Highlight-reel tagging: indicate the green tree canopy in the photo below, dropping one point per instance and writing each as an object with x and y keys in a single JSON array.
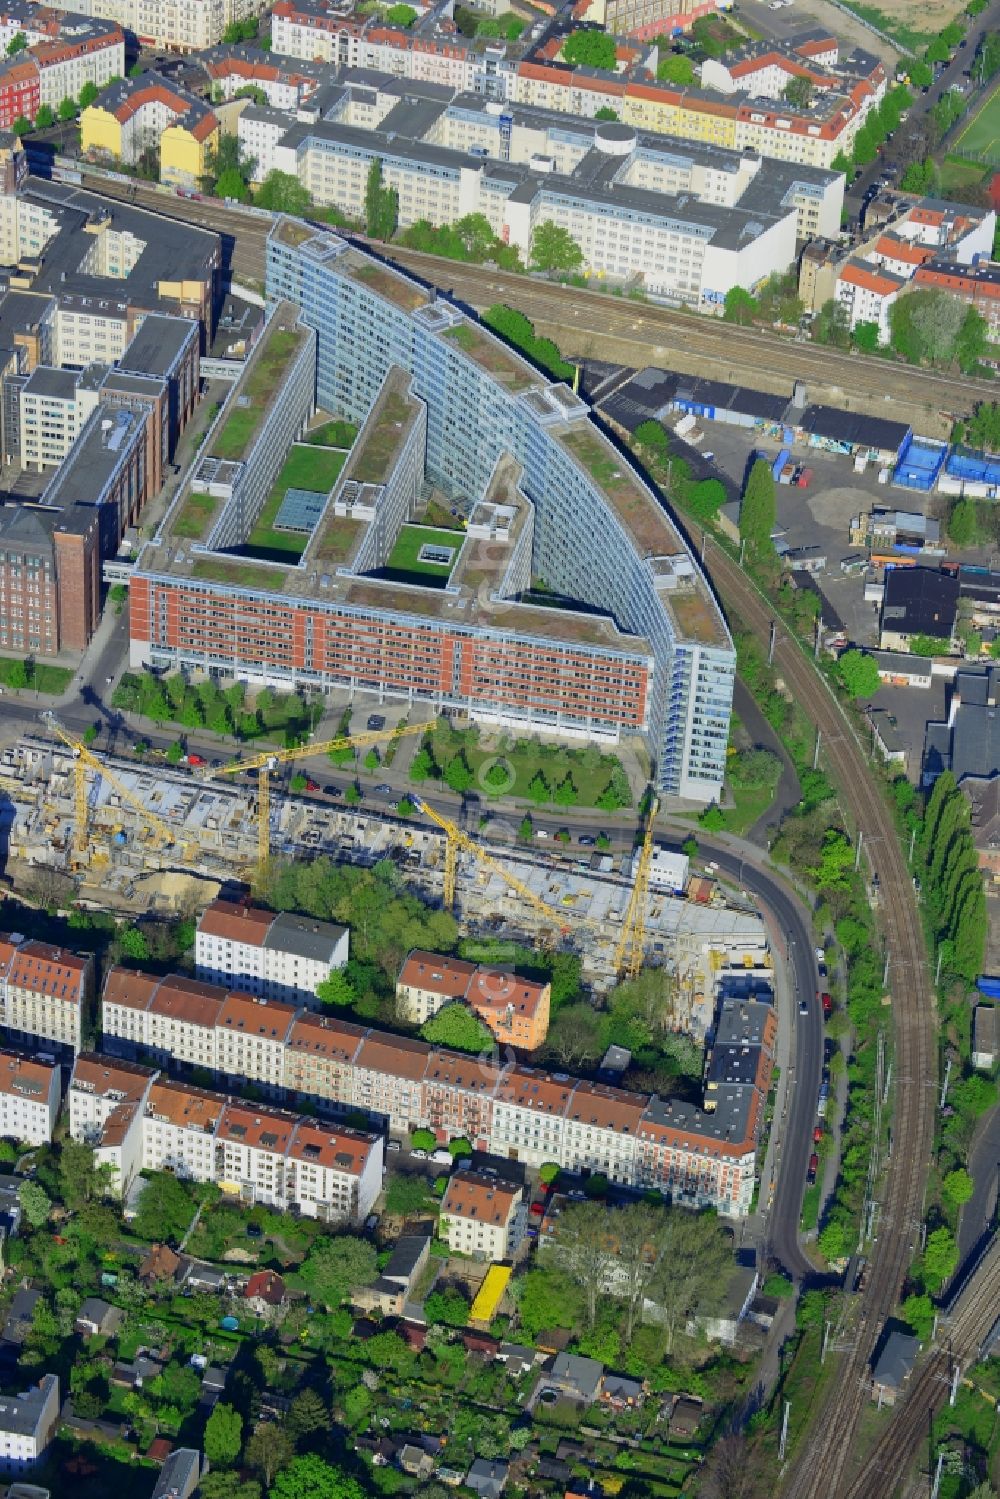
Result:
[
  {"x": 281, "y": 192},
  {"x": 457, "y": 1027},
  {"x": 590, "y": 49},
  {"x": 336, "y": 991},
  {"x": 401, "y": 15},
  {"x": 310, "y": 1477},
  {"x": 675, "y": 68},
  {"x": 958, "y": 1186},
  {"x": 35, "y": 1203},
  {"x": 757, "y": 510},
  {"x": 859, "y": 673},
  {"x": 963, "y": 523},
  {"x": 939, "y": 1259},
  {"x": 984, "y": 426},
  {"x": 554, "y": 248},
  {"x": 798, "y": 91},
  {"x": 223, "y": 1436},
  {"x": 165, "y": 1208},
  {"x": 336, "y": 1266},
  {"x": 739, "y": 306},
  {"x": 381, "y": 204}
]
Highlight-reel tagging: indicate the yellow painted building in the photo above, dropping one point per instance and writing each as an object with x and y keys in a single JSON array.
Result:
[{"x": 139, "y": 113}]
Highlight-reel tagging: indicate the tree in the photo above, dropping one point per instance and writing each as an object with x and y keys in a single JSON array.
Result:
[
  {"x": 575, "y": 1036},
  {"x": 754, "y": 768},
  {"x": 458, "y": 1028},
  {"x": 223, "y": 1436},
  {"x": 921, "y": 74},
  {"x": 939, "y": 1260},
  {"x": 651, "y": 435},
  {"x": 858, "y": 673},
  {"x": 958, "y": 1187},
  {"x": 336, "y": 1266},
  {"x": 17, "y": 43},
  {"x": 401, "y": 15},
  {"x": 307, "y": 1414},
  {"x": 132, "y": 943},
  {"x": 381, "y": 204},
  {"x": 459, "y": 774},
  {"x": 45, "y": 118},
  {"x": 590, "y": 49},
  {"x": 165, "y": 1209},
  {"x": 423, "y": 1139},
  {"x": 757, "y": 510},
  {"x": 739, "y": 306},
  {"x": 282, "y": 192},
  {"x": 554, "y": 248},
  {"x": 336, "y": 990},
  {"x": 298, "y": 782},
  {"x": 231, "y": 184},
  {"x": 584, "y": 1250},
  {"x": 566, "y": 794},
  {"x": 963, "y": 525},
  {"x": 693, "y": 1268},
  {"x": 606, "y": 113},
  {"x": 984, "y": 427},
  {"x": 21, "y": 126},
  {"x": 423, "y": 765},
  {"x": 867, "y": 337},
  {"x": 175, "y": 752},
  {"x": 798, "y": 91},
  {"x": 539, "y": 790},
  {"x": 449, "y": 1307},
  {"x": 836, "y": 861},
  {"x": 35, "y": 1203},
  {"x": 309, "y": 1477},
  {"x": 937, "y": 51},
  {"x": 675, "y": 68},
  {"x": 831, "y": 325},
  {"x": 268, "y": 1451},
  {"x": 547, "y": 1298},
  {"x": 918, "y": 1312},
  {"x": 67, "y": 110}
]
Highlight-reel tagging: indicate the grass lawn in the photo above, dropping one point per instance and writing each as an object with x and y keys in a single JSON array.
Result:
[
  {"x": 751, "y": 803},
  {"x": 232, "y": 440},
  {"x": 439, "y": 515},
  {"x": 333, "y": 434},
  {"x": 304, "y": 468},
  {"x": 956, "y": 175},
  {"x": 196, "y": 516},
  {"x": 525, "y": 760},
  {"x": 982, "y": 134},
  {"x": 373, "y": 461},
  {"x": 405, "y": 561},
  {"x": 42, "y": 678},
  {"x": 242, "y": 574},
  {"x": 270, "y": 364}
]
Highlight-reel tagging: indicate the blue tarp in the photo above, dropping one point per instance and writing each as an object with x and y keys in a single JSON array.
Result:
[
  {"x": 989, "y": 987},
  {"x": 980, "y": 468}
]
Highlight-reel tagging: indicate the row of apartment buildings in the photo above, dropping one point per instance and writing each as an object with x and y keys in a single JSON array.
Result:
[
  {"x": 911, "y": 244},
  {"x": 62, "y": 51},
  {"x": 438, "y": 398},
  {"x": 175, "y": 25},
  {"x": 687, "y": 221},
  {"x": 701, "y": 1156},
  {"x": 138, "y": 1120},
  {"x": 138, "y": 115},
  {"x": 739, "y": 107}
]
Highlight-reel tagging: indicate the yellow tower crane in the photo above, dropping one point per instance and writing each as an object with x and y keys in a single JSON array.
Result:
[
  {"x": 83, "y": 761},
  {"x": 628, "y": 955},
  {"x": 265, "y": 763}
]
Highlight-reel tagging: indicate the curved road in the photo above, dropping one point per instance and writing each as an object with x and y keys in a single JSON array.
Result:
[
  {"x": 791, "y": 932},
  {"x": 819, "y": 1465},
  {"x": 750, "y": 355}
]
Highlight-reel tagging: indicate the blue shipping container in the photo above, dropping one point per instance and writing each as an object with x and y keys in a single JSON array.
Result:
[{"x": 780, "y": 462}]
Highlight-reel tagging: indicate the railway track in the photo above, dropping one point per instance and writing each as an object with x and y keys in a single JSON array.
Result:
[
  {"x": 819, "y": 1468},
  {"x": 976, "y": 1309}
]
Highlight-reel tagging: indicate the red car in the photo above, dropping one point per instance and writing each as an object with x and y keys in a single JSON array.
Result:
[
  {"x": 817, "y": 1134},
  {"x": 827, "y": 1004},
  {"x": 813, "y": 1168},
  {"x": 311, "y": 785},
  {"x": 537, "y": 1209},
  {"x": 195, "y": 760}
]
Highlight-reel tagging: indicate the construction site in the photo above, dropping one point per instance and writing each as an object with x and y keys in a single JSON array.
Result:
[{"x": 139, "y": 837}]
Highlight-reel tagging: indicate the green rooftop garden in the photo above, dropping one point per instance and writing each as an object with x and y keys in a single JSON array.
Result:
[
  {"x": 196, "y": 515},
  {"x": 304, "y": 468},
  {"x": 268, "y": 367},
  {"x": 240, "y": 574},
  {"x": 374, "y": 459},
  {"x": 406, "y": 563},
  {"x": 492, "y": 355}
]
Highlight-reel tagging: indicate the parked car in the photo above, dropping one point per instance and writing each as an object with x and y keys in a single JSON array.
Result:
[
  {"x": 537, "y": 1209},
  {"x": 827, "y": 1004},
  {"x": 392, "y": 1146},
  {"x": 803, "y": 1007},
  {"x": 383, "y": 789},
  {"x": 419, "y": 1155},
  {"x": 332, "y": 791},
  {"x": 817, "y": 1134},
  {"x": 813, "y": 1168},
  {"x": 376, "y": 722},
  {"x": 441, "y": 1157},
  {"x": 586, "y": 840}
]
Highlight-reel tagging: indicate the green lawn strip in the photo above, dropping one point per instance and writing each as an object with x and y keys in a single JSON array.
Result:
[
  {"x": 41, "y": 677},
  {"x": 230, "y": 442},
  {"x": 242, "y": 574},
  {"x": 405, "y": 555},
  {"x": 810, "y": 1206},
  {"x": 196, "y": 516},
  {"x": 750, "y": 803},
  {"x": 337, "y": 433},
  {"x": 307, "y": 468},
  {"x": 957, "y": 174}
]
